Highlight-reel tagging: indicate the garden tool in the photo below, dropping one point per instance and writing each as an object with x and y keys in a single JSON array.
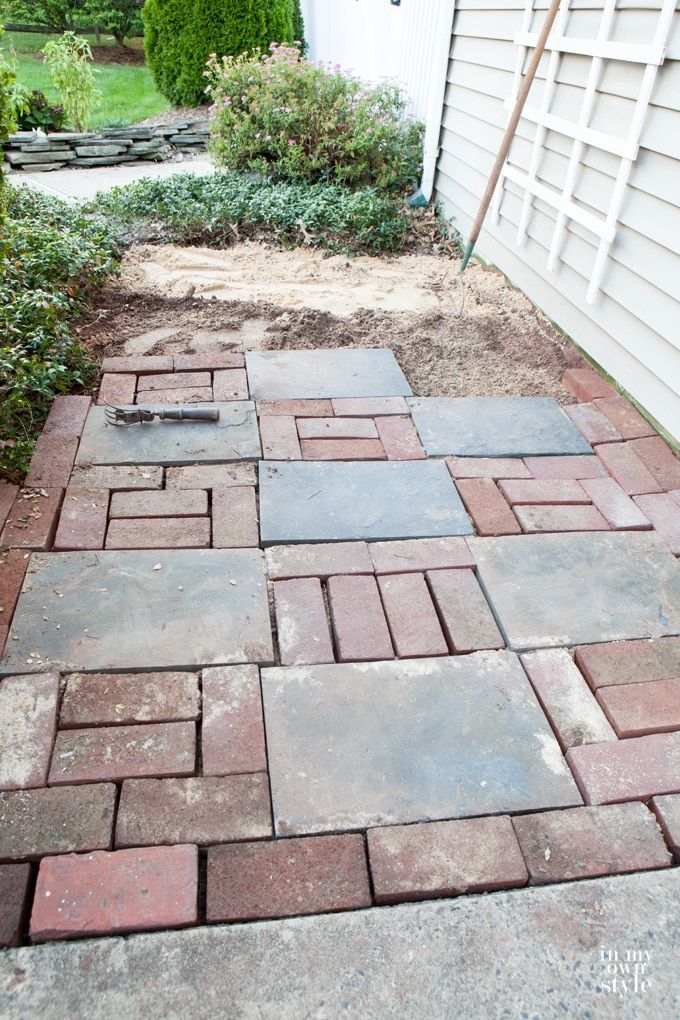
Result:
[{"x": 138, "y": 415}]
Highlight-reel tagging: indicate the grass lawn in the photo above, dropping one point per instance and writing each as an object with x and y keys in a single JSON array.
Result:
[{"x": 129, "y": 93}]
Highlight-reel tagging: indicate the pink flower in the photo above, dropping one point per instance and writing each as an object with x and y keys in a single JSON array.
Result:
[{"x": 291, "y": 141}]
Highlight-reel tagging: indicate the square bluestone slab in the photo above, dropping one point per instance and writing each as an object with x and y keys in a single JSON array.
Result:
[
  {"x": 495, "y": 427},
  {"x": 580, "y": 588},
  {"x": 337, "y": 502},
  {"x": 142, "y": 610},
  {"x": 308, "y": 375},
  {"x": 363, "y": 744},
  {"x": 233, "y": 437}
]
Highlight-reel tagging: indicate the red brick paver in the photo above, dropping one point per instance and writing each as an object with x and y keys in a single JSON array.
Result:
[
  {"x": 82, "y": 523},
  {"x": 627, "y": 468},
  {"x": 8, "y": 493},
  {"x": 160, "y": 503},
  {"x": 107, "y": 893},
  {"x": 295, "y": 408},
  {"x": 624, "y": 417},
  {"x": 126, "y": 479},
  {"x": 234, "y": 517},
  {"x": 464, "y": 612},
  {"x": 15, "y": 888},
  {"x": 105, "y": 699},
  {"x": 593, "y": 425},
  {"x": 337, "y": 428},
  {"x": 52, "y": 462},
  {"x": 487, "y": 467},
  {"x": 616, "y": 507},
  {"x": 13, "y": 564},
  {"x": 399, "y": 438},
  {"x": 123, "y": 752},
  {"x": 313, "y": 875},
  {"x": 232, "y": 737},
  {"x": 667, "y": 811},
  {"x": 301, "y": 623},
  {"x": 32, "y": 521},
  {"x": 411, "y": 616},
  {"x": 660, "y": 460},
  {"x": 359, "y": 624},
  {"x": 554, "y": 491},
  {"x": 566, "y": 699},
  {"x": 230, "y": 384},
  {"x": 176, "y": 381},
  {"x": 279, "y": 437},
  {"x": 176, "y": 395},
  {"x": 577, "y": 466},
  {"x": 117, "y": 389},
  {"x": 56, "y": 820},
  {"x": 28, "y": 715},
  {"x": 67, "y": 416},
  {"x": 201, "y": 810},
  {"x": 139, "y": 364},
  {"x": 209, "y": 476},
  {"x": 586, "y": 383},
  {"x": 637, "y": 709},
  {"x": 536, "y": 519},
  {"x": 629, "y": 662},
  {"x": 420, "y": 554},
  {"x": 487, "y": 507},
  {"x": 342, "y": 449},
  {"x": 369, "y": 406},
  {"x": 414, "y": 862},
  {"x": 664, "y": 513},
  {"x": 159, "y": 533},
  {"x": 322, "y": 560},
  {"x": 208, "y": 362},
  {"x": 588, "y": 842},
  {"x": 634, "y": 769}
]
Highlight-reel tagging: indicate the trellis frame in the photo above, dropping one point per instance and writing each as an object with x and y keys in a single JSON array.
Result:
[{"x": 651, "y": 56}]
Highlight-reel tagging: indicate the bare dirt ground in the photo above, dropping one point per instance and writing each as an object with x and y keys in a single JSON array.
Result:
[{"x": 481, "y": 339}]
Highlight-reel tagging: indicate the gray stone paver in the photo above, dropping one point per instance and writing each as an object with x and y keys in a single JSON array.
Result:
[
  {"x": 356, "y": 745},
  {"x": 535, "y": 952},
  {"x": 569, "y": 589},
  {"x": 292, "y": 375},
  {"x": 335, "y": 502},
  {"x": 495, "y": 426}
]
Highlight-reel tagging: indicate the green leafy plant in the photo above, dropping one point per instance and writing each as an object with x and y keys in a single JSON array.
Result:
[
  {"x": 283, "y": 116},
  {"x": 53, "y": 254},
  {"x": 68, "y": 59},
  {"x": 41, "y": 113}
]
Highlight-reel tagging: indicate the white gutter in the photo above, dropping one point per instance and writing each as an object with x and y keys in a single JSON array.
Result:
[{"x": 433, "y": 121}]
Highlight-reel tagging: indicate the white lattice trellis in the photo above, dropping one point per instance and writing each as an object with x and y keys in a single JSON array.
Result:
[{"x": 601, "y": 48}]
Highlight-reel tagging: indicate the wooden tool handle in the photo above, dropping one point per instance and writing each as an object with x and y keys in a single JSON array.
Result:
[{"x": 192, "y": 413}]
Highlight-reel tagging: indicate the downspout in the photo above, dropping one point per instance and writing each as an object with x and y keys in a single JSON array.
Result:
[{"x": 433, "y": 120}]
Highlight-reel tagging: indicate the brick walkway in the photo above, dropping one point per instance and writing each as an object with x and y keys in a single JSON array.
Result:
[{"x": 346, "y": 648}]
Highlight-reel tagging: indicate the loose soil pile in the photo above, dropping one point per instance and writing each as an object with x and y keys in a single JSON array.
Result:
[{"x": 476, "y": 337}]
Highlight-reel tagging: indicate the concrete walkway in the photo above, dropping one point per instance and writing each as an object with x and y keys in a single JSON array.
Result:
[{"x": 83, "y": 185}]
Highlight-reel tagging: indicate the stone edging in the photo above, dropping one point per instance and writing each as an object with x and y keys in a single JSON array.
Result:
[{"x": 24, "y": 151}]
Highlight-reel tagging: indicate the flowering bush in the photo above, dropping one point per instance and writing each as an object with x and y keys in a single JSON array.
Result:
[{"x": 287, "y": 118}]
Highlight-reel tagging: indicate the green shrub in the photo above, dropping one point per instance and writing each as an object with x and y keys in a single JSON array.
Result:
[
  {"x": 283, "y": 116},
  {"x": 41, "y": 113},
  {"x": 68, "y": 59},
  {"x": 220, "y": 208},
  {"x": 121, "y": 18},
  {"x": 180, "y": 35},
  {"x": 53, "y": 253}
]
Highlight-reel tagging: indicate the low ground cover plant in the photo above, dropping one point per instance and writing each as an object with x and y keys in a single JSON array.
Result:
[{"x": 278, "y": 114}]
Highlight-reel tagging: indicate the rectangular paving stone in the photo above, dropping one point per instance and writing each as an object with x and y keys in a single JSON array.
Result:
[
  {"x": 255, "y": 881},
  {"x": 358, "y": 745},
  {"x": 335, "y": 502},
  {"x": 279, "y": 436},
  {"x": 629, "y": 662},
  {"x": 667, "y": 811},
  {"x": 637, "y": 709},
  {"x": 616, "y": 507},
  {"x": 101, "y": 699},
  {"x": 664, "y": 513},
  {"x": 586, "y": 384},
  {"x": 13, "y": 563},
  {"x": 230, "y": 384},
  {"x": 319, "y": 560},
  {"x": 208, "y": 362},
  {"x": 301, "y": 623},
  {"x": 359, "y": 625},
  {"x": 139, "y": 365},
  {"x": 124, "y": 479},
  {"x": 232, "y": 733},
  {"x": 565, "y": 467},
  {"x": 210, "y": 476},
  {"x": 159, "y": 533},
  {"x": 633, "y": 769},
  {"x": 419, "y": 554},
  {"x": 141, "y": 609},
  {"x": 176, "y": 380},
  {"x": 234, "y": 517},
  {"x": 369, "y": 406},
  {"x": 15, "y": 892},
  {"x": 575, "y": 715},
  {"x": 658, "y": 458},
  {"x": 399, "y": 437},
  {"x": 179, "y": 395},
  {"x": 593, "y": 425},
  {"x": 52, "y": 462},
  {"x": 543, "y": 490},
  {"x": 487, "y": 467},
  {"x": 296, "y": 408},
  {"x": 56, "y": 820},
  {"x": 624, "y": 417},
  {"x": 117, "y": 389},
  {"x": 123, "y": 752},
  {"x": 560, "y": 518},
  {"x": 110, "y": 893},
  {"x": 8, "y": 493},
  {"x": 627, "y": 469},
  {"x": 419, "y": 862},
  {"x": 202, "y": 810},
  {"x": 296, "y": 375},
  {"x": 554, "y": 590},
  {"x": 67, "y": 416},
  {"x": 487, "y": 507},
  {"x": 337, "y": 428},
  {"x": 411, "y": 616},
  {"x": 589, "y": 842},
  {"x": 83, "y": 519},
  {"x": 32, "y": 521},
  {"x": 467, "y": 620},
  {"x": 494, "y": 426},
  {"x": 233, "y": 437},
  {"x": 342, "y": 449},
  {"x": 28, "y": 718},
  {"x": 163, "y": 503}
]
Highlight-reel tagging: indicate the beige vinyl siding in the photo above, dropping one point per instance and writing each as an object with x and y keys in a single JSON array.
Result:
[{"x": 633, "y": 329}]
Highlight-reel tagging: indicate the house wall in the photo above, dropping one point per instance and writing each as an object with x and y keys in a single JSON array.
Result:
[{"x": 633, "y": 328}]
